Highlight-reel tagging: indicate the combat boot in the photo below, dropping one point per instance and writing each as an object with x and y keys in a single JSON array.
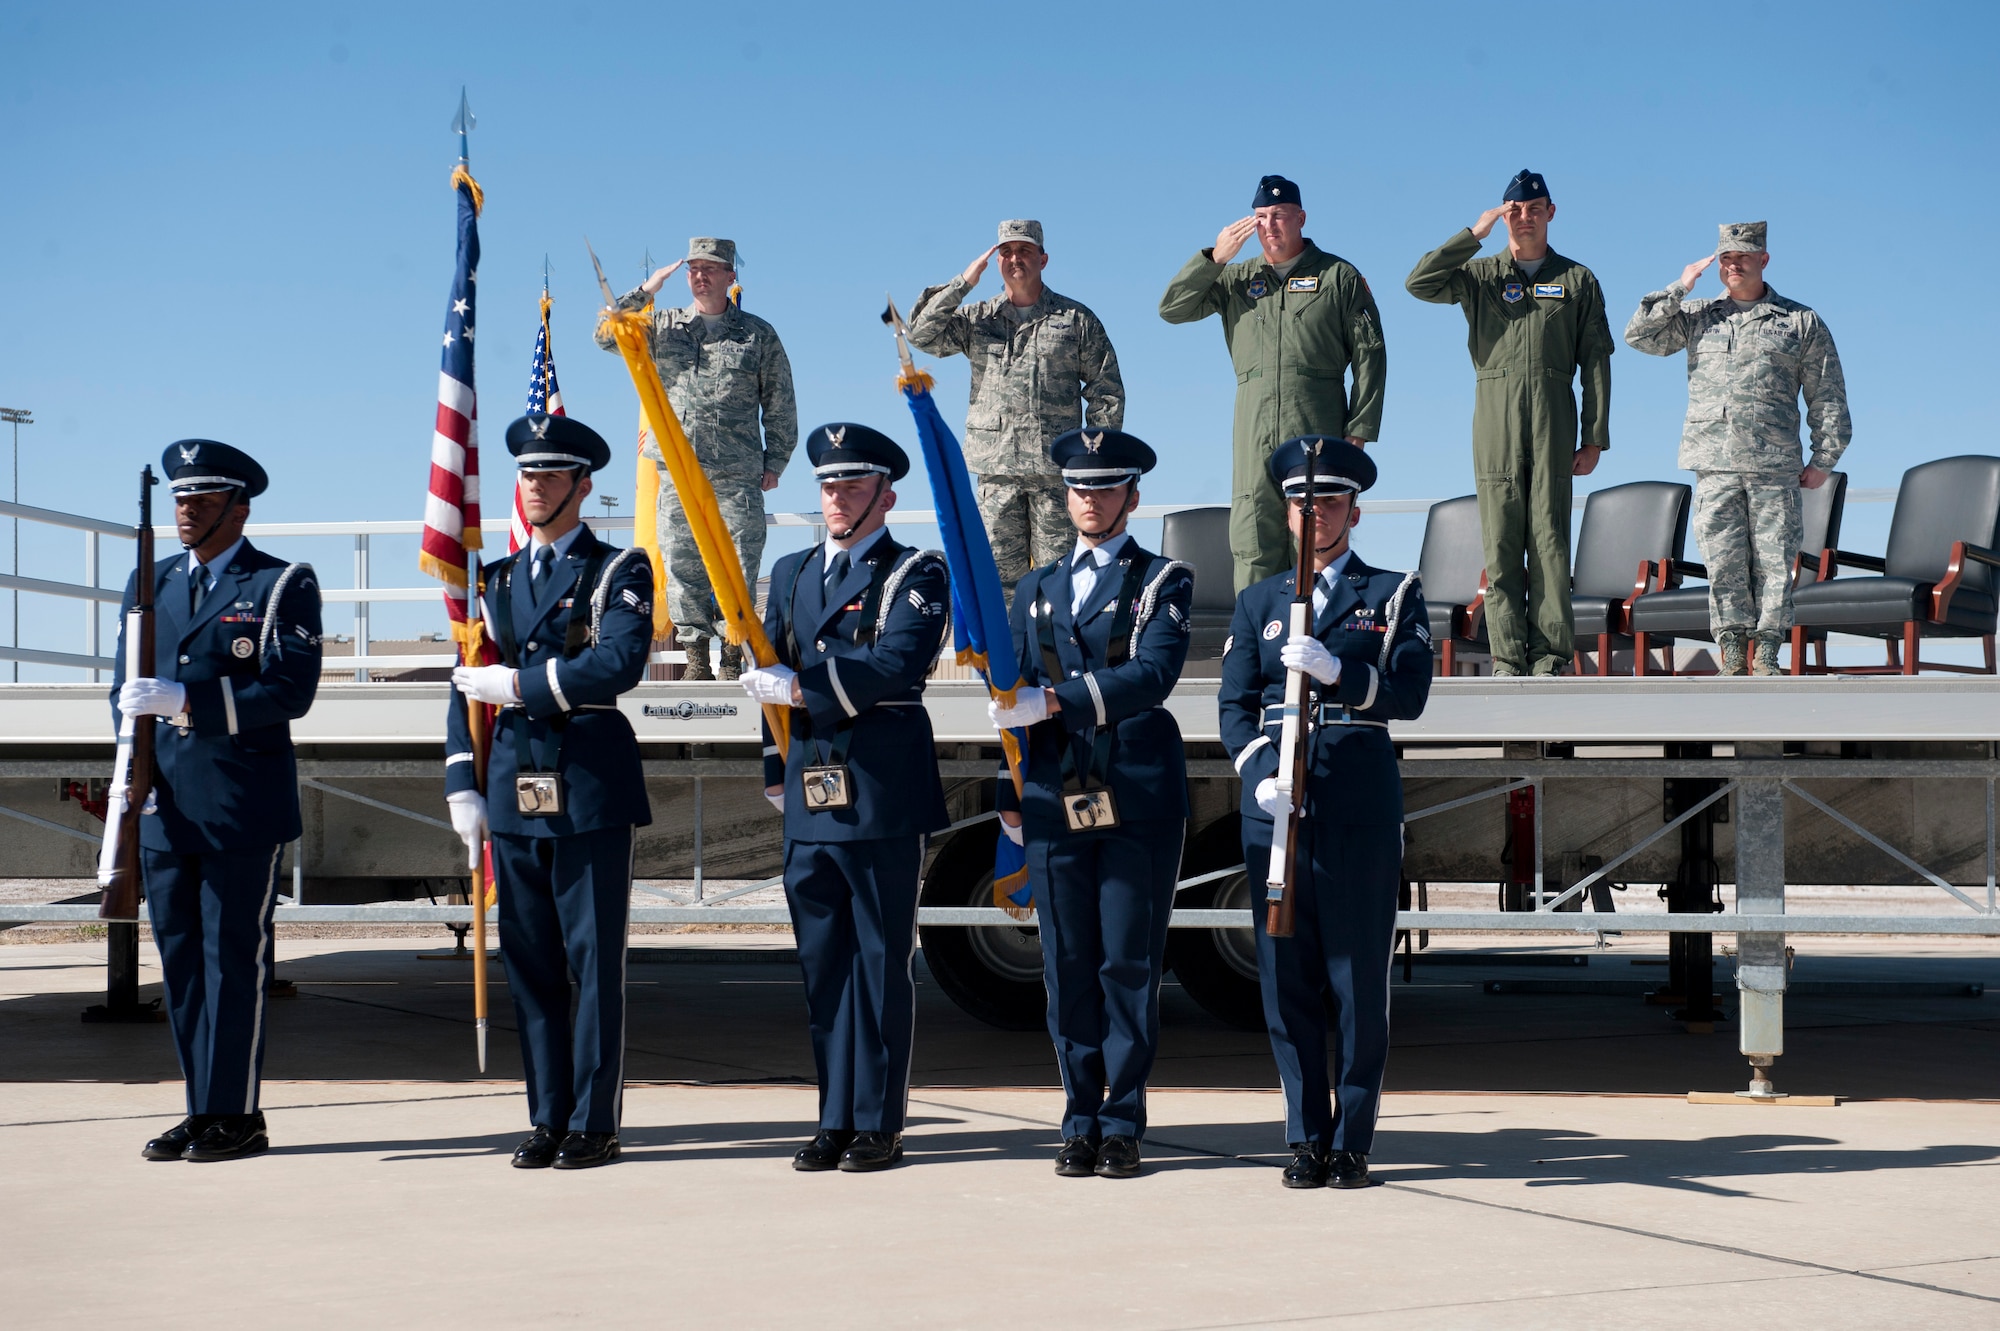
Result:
[
  {"x": 1732, "y": 646},
  {"x": 697, "y": 667},
  {"x": 732, "y": 662},
  {"x": 1765, "y": 661}
]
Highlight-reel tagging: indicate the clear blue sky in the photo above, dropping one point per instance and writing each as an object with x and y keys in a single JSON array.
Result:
[{"x": 234, "y": 221}]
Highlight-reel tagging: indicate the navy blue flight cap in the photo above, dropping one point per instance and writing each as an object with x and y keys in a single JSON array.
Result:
[
  {"x": 845, "y": 451},
  {"x": 1274, "y": 190},
  {"x": 556, "y": 443},
  {"x": 1526, "y": 185},
  {"x": 202, "y": 466},
  {"x": 1338, "y": 467},
  {"x": 1101, "y": 459}
]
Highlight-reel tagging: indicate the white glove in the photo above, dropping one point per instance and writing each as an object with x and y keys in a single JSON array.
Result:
[
  {"x": 1030, "y": 706},
  {"x": 777, "y": 799},
  {"x": 1309, "y": 654},
  {"x": 496, "y": 685},
  {"x": 468, "y": 819},
  {"x": 769, "y": 684},
  {"x": 152, "y": 697},
  {"x": 1013, "y": 832},
  {"x": 1272, "y": 800}
]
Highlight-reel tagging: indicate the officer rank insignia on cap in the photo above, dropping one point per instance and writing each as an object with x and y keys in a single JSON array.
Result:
[
  {"x": 1511, "y": 293},
  {"x": 1259, "y": 288},
  {"x": 1549, "y": 290}
]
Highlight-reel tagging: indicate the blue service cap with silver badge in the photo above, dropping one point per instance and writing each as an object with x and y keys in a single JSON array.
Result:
[
  {"x": 1101, "y": 459},
  {"x": 556, "y": 443},
  {"x": 843, "y": 451},
  {"x": 1525, "y": 186},
  {"x": 1336, "y": 466},
  {"x": 1274, "y": 190},
  {"x": 203, "y": 466}
]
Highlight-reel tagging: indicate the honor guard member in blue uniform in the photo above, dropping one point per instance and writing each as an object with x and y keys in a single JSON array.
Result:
[
  {"x": 857, "y": 623},
  {"x": 1101, "y": 635},
  {"x": 573, "y": 619},
  {"x": 235, "y": 661},
  {"x": 1367, "y": 662}
]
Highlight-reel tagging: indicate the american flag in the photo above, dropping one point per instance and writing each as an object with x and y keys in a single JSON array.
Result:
[
  {"x": 544, "y": 398},
  {"x": 451, "y": 511}
]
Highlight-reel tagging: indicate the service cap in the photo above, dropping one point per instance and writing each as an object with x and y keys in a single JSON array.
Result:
[
  {"x": 1021, "y": 229},
  {"x": 712, "y": 249},
  {"x": 203, "y": 466},
  {"x": 1337, "y": 467},
  {"x": 1274, "y": 190},
  {"x": 556, "y": 443},
  {"x": 1525, "y": 186},
  {"x": 1101, "y": 459},
  {"x": 1742, "y": 238},
  {"x": 843, "y": 451}
]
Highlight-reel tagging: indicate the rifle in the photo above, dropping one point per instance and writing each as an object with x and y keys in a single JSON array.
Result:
[
  {"x": 132, "y": 782},
  {"x": 1280, "y": 885}
]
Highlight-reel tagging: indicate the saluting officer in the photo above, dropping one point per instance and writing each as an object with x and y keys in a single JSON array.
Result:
[
  {"x": 573, "y": 619},
  {"x": 857, "y": 623},
  {"x": 236, "y": 659},
  {"x": 1101, "y": 635},
  {"x": 1368, "y": 662}
]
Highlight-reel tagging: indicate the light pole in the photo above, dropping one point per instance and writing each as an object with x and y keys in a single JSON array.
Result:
[
  {"x": 16, "y": 417},
  {"x": 610, "y": 502}
]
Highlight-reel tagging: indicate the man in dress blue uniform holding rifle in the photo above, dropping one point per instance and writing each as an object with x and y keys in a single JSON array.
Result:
[
  {"x": 573, "y": 619},
  {"x": 857, "y": 623},
  {"x": 1366, "y": 661},
  {"x": 1101, "y": 635},
  {"x": 236, "y": 659}
]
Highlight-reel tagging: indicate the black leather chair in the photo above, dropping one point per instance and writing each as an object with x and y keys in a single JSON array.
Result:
[
  {"x": 1200, "y": 537},
  {"x": 1675, "y": 611},
  {"x": 1627, "y": 529},
  {"x": 1939, "y": 578},
  {"x": 1453, "y": 565}
]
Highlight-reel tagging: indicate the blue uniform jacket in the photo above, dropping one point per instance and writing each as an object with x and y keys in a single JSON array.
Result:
[
  {"x": 1147, "y": 766},
  {"x": 250, "y": 658},
  {"x": 878, "y": 687},
  {"x": 569, "y": 707},
  {"x": 1374, "y": 623}
]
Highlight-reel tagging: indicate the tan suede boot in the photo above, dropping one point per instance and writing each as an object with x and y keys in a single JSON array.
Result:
[
  {"x": 697, "y": 667},
  {"x": 1734, "y": 648},
  {"x": 1765, "y": 659},
  {"x": 732, "y": 662}
]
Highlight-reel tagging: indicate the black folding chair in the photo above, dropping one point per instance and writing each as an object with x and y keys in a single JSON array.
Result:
[
  {"x": 1939, "y": 578},
  {"x": 1453, "y": 565},
  {"x": 1200, "y": 538},
  {"x": 1664, "y": 616},
  {"x": 1627, "y": 530}
]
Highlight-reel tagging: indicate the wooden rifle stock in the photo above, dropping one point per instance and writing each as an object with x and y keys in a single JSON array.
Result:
[
  {"x": 1280, "y": 881},
  {"x": 132, "y": 782}
]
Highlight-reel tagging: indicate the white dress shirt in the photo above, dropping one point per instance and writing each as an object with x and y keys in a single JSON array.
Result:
[{"x": 1086, "y": 563}]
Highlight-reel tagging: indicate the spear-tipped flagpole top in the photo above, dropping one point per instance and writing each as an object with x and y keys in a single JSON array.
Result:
[
  {"x": 602, "y": 285},
  {"x": 894, "y": 318},
  {"x": 463, "y": 124}
]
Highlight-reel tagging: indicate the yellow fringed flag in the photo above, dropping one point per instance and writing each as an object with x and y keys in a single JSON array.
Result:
[
  {"x": 646, "y": 532},
  {"x": 738, "y": 608}
]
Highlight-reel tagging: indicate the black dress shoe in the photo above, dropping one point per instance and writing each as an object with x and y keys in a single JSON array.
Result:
[
  {"x": 823, "y": 1152},
  {"x": 587, "y": 1150},
  {"x": 871, "y": 1151},
  {"x": 1118, "y": 1158},
  {"x": 229, "y": 1137},
  {"x": 170, "y": 1144},
  {"x": 539, "y": 1151},
  {"x": 1309, "y": 1166},
  {"x": 1077, "y": 1158},
  {"x": 1349, "y": 1169}
]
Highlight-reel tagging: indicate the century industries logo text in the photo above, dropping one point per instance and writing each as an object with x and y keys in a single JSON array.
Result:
[{"x": 687, "y": 709}]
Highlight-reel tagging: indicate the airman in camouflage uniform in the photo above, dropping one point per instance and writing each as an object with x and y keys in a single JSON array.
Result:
[
  {"x": 1042, "y": 366},
  {"x": 723, "y": 369},
  {"x": 1751, "y": 353}
]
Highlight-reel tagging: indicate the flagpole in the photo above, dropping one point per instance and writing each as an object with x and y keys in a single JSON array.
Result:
[{"x": 475, "y": 717}]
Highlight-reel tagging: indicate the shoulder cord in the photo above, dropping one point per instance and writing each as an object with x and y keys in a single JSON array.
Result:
[
  {"x": 1149, "y": 602},
  {"x": 269, "y": 633},
  {"x": 894, "y": 585},
  {"x": 601, "y": 594},
  {"x": 1393, "y": 614}
]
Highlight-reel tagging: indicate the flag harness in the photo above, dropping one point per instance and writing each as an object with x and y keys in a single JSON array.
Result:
[
  {"x": 538, "y": 791},
  {"x": 1090, "y": 807},
  {"x": 828, "y": 784}
]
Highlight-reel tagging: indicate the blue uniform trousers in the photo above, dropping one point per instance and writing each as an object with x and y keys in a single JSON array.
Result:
[
  {"x": 1102, "y": 902},
  {"x": 854, "y": 912},
  {"x": 1339, "y": 956},
  {"x": 211, "y": 916},
  {"x": 564, "y": 905}
]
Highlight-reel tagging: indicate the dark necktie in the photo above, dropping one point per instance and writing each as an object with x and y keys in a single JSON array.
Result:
[
  {"x": 545, "y": 562},
  {"x": 836, "y": 572},
  {"x": 197, "y": 587}
]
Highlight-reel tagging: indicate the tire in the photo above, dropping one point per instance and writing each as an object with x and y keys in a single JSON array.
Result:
[
  {"x": 1218, "y": 967},
  {"x": 992, "y": 973}
]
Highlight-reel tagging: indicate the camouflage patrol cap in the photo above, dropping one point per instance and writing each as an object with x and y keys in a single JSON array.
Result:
[
  {"x": 1742, "y": 238},
  {"x": 1021, "y": 229},
  {"x": 712, "y": 249}
]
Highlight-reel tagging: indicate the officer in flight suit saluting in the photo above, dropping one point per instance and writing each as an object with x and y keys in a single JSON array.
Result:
[
  {"x": 236, "y": 660},
  {"x": 857, "y": 623},
  {"x": 1101, "y": 635},
  {"x": 573, "y": 619},
  {"x": 1367, "y": 662}
]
